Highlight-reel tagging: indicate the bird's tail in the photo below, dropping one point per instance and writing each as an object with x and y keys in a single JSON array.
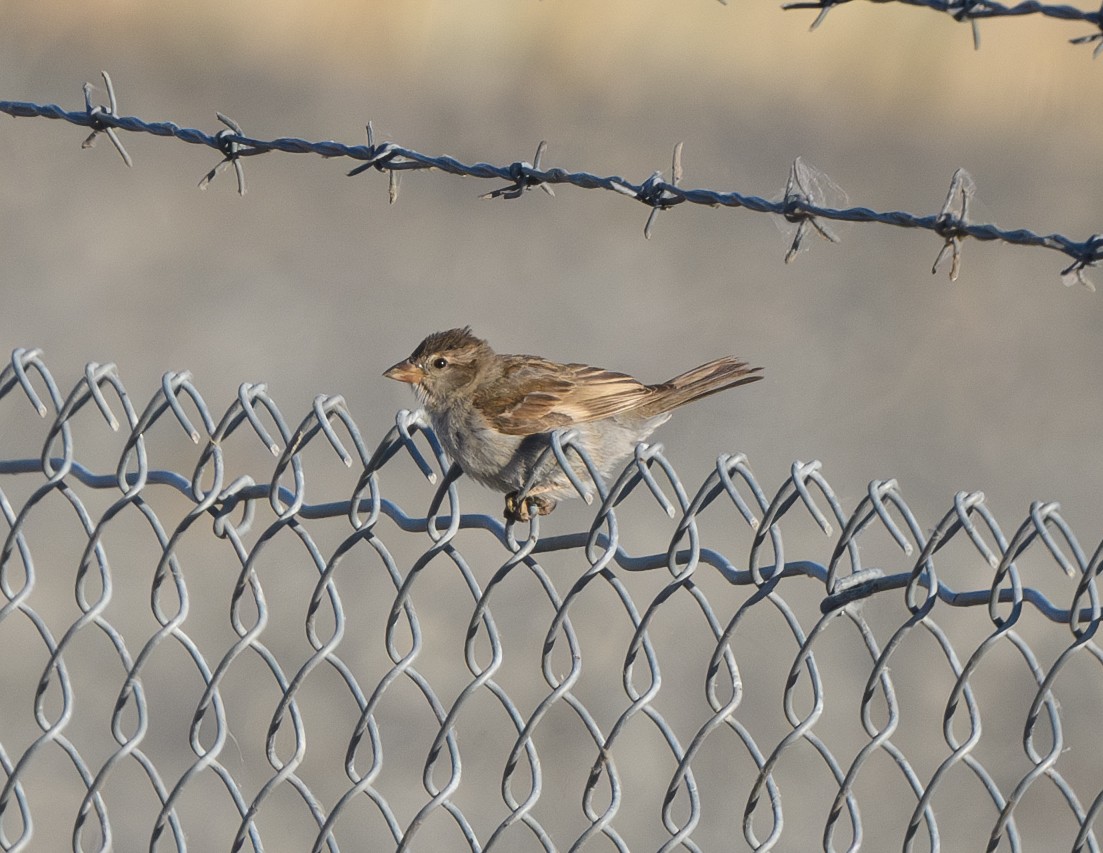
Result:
[{"x": 718, "y": 375}]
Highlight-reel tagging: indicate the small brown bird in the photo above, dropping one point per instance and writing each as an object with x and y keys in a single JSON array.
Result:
[{"x": 494, "y": 414}]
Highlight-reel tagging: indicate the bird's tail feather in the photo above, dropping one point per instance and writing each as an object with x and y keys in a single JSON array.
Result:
[{"x": 710, "y": 378}]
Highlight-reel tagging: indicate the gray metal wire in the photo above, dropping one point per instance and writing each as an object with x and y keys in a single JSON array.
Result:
[
  {"x": 132, "y": 794},
  {"x": 975, "y": 11},
  {"x": 803, "y": 201}
]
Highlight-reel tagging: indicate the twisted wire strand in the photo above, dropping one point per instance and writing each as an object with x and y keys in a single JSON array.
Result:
[
  {"x": 975, "y": 11},
  {"x": 803, "y": 202}
]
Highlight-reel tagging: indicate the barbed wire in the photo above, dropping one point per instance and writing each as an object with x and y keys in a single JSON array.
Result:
[
  {"x": 803, "y": 202},
  {"x": 388, "y": 556},
  {"x": 975, "y": 11}
]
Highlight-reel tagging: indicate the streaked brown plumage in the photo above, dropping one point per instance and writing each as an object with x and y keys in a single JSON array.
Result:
[{"x": 494, "y": 413}]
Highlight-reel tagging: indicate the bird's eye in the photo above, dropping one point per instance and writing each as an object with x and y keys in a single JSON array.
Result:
[{"x": 440, "y": 363}]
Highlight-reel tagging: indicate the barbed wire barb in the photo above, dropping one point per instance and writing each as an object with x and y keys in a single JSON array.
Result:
[
  {"x": 804, "y": 190},
  {"x": 232, "y": 152},
  {"x": 823, "y": 7},
  {"x": 96, "y": 122},
  {"x": 1094, "y": 37},
  {"x": 951, "y": 224},
  {"x": 966, "y": 13},
  {"x": 1074, "y": 272},
  {"x": 522, "y": 173},
  {"x": 392, "y": 175},
  {"x": 377, "y": 161},
  {"x": 665, "y": 204}
]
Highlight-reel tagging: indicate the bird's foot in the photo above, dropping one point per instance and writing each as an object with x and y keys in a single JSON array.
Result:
[{"x": 517, "y": 510}]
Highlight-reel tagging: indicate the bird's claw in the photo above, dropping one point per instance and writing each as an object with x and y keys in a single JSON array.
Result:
[{"x": 518, "y": 510}]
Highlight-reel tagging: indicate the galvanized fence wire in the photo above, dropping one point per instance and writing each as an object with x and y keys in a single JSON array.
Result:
[
  {"x": 60, "y": 481},
  {"x": 802, "y": 203},
  {"x": 975, "y": 11}
]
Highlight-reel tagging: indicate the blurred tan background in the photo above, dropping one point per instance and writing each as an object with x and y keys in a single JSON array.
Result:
[{"x": 313, "y": 284}]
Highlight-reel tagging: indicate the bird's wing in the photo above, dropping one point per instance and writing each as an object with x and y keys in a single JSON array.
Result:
[{"x": 534, "y": 395}]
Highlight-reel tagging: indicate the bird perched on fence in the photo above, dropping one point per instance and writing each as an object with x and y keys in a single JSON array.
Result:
[{"x": 494, "y": 414}]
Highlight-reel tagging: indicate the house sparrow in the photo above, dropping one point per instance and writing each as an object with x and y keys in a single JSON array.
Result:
[{"x": 494, "y": 414}]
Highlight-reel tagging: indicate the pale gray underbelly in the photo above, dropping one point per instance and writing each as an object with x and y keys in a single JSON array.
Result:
[{"x": 505, "y": 462}]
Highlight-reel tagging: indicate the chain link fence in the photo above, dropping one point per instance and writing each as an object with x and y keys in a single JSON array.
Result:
[{"x": 204, "y": 648}]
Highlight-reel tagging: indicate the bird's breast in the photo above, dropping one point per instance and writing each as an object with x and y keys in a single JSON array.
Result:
[{"x": 483, "y": 453}]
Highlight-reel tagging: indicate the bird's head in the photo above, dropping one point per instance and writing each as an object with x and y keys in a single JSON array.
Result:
[{"x": 442, "y": 364}]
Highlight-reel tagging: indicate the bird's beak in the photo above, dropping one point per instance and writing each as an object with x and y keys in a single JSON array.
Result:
[{"x": 404, "y": 371}]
